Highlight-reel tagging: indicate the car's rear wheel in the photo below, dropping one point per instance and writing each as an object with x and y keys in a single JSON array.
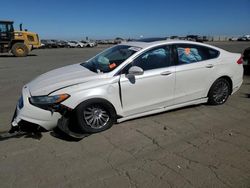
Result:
[
  {"x": 95, "y": 116},
  {"x": 219, "y": 92}
]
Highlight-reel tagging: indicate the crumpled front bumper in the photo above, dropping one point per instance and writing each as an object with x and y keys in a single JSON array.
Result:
[{"x": 27, "y": 112}]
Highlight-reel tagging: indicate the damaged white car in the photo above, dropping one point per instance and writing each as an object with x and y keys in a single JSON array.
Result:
[{"x": 127, "y": 81}]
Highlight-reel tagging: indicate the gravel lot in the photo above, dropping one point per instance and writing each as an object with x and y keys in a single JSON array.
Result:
[{"x": 199, "y": 146}]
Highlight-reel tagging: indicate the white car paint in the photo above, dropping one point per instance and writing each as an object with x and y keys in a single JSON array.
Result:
[
  {"x": 59, "y": 78},
  {"x": 155, "y": 91},
  {"x": 76, "y": 44},
  {"x": 88, "y": 43},
  {"x": 81, "y": 44},
  {"x": 149, "y": 84},
  {"x": 247, "y": 36}
]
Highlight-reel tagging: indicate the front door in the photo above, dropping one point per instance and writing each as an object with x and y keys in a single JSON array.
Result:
[{"x": 155, "y": 88}]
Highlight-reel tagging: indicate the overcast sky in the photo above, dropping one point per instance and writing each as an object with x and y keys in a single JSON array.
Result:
[{"x": 75, "y": 19}]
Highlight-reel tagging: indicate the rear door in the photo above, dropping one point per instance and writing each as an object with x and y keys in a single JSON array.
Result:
[{"x": 195, "y": 65}]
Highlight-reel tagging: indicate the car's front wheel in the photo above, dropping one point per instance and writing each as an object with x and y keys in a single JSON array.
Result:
[
  {"x": 219, "y": 92},
  {"x": 95, "y": 116}
]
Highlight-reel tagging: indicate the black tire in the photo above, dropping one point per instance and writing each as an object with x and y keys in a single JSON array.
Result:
[
  {"x": 219, "y": 92},
  {"x": 19, "y": 50},
  {"x": 101, "y": 110}
]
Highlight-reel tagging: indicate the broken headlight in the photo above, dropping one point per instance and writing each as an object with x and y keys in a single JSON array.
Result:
[{"x": 47, "y": 102}]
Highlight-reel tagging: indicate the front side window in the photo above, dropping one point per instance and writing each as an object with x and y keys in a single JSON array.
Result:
[
  {"x": 159, "y": 57},
  {"x": 189, "y": 53},
  {"x": 110, "y": 59}
]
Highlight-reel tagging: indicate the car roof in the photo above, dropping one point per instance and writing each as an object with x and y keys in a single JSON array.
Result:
[{"x": 144, "y": 45}]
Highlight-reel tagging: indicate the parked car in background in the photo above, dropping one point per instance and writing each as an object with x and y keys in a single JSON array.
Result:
[
  {"x": 233, "y": 39},
  {"x": 76, "y": 44},
  {"x": 182, "y": 38},
  {"x": 243, "y": 38},
  {"x": 72, "y": 44},
  {"x": 55, "y": 44},
  {"x": 127, "y": 81},
  {"x": 49, "y": 44},
  {"x": 247, "y": 37},
  {"x": 42, "y": 45},
  {"x": 195, "y": 38},
  {"x": 81, "y": 44},
  {"x": 88, "y": 43},
  {"x": 205, "y": 38},
  {"x": 62, "y": 43},
  {"x": 153, "y": 39},
  {"x": 174, "y": 37}
]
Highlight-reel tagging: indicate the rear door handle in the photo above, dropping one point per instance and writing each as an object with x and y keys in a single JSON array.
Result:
[
  {"x": 166, "y": 73},
  {"x": 209, "y": 66}
]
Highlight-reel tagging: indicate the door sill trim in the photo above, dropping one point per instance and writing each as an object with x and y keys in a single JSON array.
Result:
[{"x": 158, "y": 110}]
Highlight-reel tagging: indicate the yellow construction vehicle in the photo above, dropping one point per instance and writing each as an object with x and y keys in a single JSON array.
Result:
[{"x": 19, "y": 43}]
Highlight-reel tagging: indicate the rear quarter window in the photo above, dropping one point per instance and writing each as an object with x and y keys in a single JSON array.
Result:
[
  {"x": 213, "y": 53},
  {"x": 189, "y": 53}
]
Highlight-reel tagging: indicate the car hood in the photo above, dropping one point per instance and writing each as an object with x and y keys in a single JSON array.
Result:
[{"x": 60, "y": 78}]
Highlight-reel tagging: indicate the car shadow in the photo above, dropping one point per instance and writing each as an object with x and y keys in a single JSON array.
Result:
[
  {"x": 57, "y": 133},
  {"x": 12, "y": 56},
  {"x": 6, "y": 135}
]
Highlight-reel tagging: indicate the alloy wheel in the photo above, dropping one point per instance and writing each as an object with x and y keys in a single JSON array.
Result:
[{"x": 96, "y": 116}]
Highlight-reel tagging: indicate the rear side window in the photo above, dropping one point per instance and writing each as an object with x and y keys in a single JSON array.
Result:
[
  {"x": 189, "y": 53},
  {"x": 213, "y": 53}
]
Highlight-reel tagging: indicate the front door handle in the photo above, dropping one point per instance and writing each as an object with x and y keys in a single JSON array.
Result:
[
  {"x": 209, "y": 66},
  {"x": 166, "y": 73}
]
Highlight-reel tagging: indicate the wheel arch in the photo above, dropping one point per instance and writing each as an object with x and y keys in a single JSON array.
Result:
[
  {"x": 99, "y": 100},
  {"x": 16, "y": 41},
  {"x": 226, "y": 78}
]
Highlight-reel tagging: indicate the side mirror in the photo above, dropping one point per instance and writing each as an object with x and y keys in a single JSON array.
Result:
[{"x": 135, "y": 71}]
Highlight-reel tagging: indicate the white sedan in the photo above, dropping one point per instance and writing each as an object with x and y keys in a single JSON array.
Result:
[
  {"x": 75, "y": 44},
  {"x": 127, "y": 81}
]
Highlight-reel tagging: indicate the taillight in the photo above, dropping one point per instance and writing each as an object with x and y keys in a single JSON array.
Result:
[{"x": 240, "y": 61}]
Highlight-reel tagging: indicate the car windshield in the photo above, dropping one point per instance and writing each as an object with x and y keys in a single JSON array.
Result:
[{"x": 110, "y": 59}]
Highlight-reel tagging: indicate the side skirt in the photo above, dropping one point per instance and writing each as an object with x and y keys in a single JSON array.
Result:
[{"x": 198, "y": 101}]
